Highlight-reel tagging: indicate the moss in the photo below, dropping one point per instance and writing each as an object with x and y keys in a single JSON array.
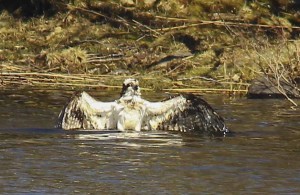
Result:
[
  {"x": 213, "y": 6},
  {"x": 172, "y": 8},
  {"x": 158, "y": 82}
]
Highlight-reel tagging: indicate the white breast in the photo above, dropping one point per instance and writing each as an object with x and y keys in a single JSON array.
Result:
[
  {"x": 131, "y": 115},
  {"x": 130, "y": 119}
]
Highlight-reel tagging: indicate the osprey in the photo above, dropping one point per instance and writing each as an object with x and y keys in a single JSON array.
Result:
[{"x": 184, "y": 113}]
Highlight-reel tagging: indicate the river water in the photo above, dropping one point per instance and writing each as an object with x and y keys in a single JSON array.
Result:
[{"x": 35, "y": 158}]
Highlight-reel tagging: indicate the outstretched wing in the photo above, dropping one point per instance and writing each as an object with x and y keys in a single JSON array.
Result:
[
  {"x": 84, "y": 112},
  {"x": 184, "y": 113}
]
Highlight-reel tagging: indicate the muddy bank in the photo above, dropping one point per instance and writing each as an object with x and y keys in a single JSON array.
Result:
[{"x": 192, "y": 45}]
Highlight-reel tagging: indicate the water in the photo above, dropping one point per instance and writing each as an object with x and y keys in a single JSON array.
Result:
[{"x": 35, "y": 158}]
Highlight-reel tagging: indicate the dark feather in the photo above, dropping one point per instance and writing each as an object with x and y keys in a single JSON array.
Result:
[
  {"x": 72, "y": 115},
  {"x": 198, "y": 116}
]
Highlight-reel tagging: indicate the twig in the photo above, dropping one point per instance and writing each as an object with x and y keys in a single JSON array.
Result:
[
  {"x": 147, "y": 27},
  {"x": 222, "y": 23},
  {"x": 70, "y": 7}
]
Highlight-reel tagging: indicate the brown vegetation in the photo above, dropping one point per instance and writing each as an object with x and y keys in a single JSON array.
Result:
[{"x": 190, "y": 45}]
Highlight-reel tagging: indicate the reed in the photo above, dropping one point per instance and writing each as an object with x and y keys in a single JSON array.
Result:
[{"x": 56, "y": 80}]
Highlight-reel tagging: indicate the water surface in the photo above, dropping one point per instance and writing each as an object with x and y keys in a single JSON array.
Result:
[{"x": 36, "y": 158}]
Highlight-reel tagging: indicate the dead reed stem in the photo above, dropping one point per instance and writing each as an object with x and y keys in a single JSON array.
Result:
[
  {"x": 195, "y": 90},
  {"x": 84, "y": 80}
]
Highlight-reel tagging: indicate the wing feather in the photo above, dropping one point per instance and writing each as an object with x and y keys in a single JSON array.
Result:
[
  {"x": 159, "y": 112},
  {"x": 187, "y": 113},
  {"x": 84, "y": 112}
]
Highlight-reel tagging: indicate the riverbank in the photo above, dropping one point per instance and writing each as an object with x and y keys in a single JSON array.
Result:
[{"x": 168, "y": 45}]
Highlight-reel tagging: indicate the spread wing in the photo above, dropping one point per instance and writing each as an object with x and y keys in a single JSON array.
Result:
[
  {"x": 84, "y": 112},
  {"x": 187, "y": 113}
]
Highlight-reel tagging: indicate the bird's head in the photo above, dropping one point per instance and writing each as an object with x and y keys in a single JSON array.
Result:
[{"x": 130, "y": 88}]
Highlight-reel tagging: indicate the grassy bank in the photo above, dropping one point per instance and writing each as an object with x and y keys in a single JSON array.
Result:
[{"x": 199, "y": 46}]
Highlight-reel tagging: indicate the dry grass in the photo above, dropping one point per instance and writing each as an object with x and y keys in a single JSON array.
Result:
[{"x": 88, "y": 41}]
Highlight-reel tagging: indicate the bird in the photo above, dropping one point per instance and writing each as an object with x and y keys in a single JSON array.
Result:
[{"x": 182, "y": 113}]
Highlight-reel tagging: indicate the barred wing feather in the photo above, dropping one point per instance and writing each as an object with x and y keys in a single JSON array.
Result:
[
  {"x": 185, "y": 113},
  {"x": 84, "y": 112}
]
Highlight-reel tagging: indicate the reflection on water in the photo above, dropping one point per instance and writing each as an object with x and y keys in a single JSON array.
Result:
[
  {"x": 133, "y": 139},
  {"x": 262, "y": 157}
]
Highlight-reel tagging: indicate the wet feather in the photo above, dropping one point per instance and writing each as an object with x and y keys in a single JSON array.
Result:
[{"x": 184, "y": 113}]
